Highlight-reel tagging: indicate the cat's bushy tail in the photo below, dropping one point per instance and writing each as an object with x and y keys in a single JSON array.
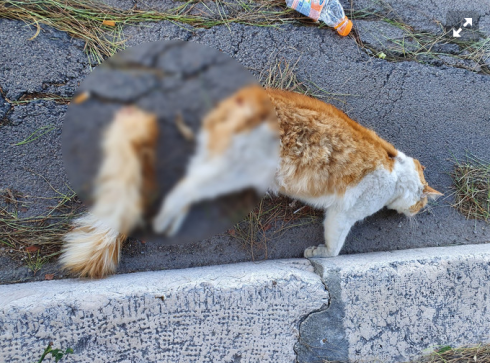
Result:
[{"x": 93, "y": 245}]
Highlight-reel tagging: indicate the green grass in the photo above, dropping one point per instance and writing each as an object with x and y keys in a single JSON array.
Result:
[
  {"x": 36, "y": 135},
  {"x": 471, "y": 180},
  {"x": 35, "y": 261}
]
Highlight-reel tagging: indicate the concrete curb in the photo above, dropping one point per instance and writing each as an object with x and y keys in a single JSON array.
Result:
[
  {"x": 380, "y": 307},
  {"x": 247, "y": 312},
  {"x": 391, "y": 306}
]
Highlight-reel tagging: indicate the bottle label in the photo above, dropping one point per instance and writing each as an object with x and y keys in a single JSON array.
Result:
[{"x": 310, "y": 8}]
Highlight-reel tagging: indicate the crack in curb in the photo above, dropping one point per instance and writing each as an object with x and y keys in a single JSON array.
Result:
[{"x": 321, "y": 333}]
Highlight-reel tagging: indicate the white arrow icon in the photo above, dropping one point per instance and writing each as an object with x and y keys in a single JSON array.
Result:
[
  {"x": 468, "y": 21},
  {"x": 456, "y": 33}
]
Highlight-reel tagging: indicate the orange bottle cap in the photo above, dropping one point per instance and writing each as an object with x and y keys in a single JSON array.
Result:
[{"x": 344, "y": 27}]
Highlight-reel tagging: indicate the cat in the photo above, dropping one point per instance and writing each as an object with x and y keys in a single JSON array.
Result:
[{"x": 295, "y": 145}]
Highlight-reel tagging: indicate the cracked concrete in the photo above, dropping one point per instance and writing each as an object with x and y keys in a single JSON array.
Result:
[
  {"x": 28, "y": 164},
  {"x": 387, "y": 305},
  {"x": 53, "y": 62},
  {"x": 375, "y": 307},
  {"x": 443, "y": 106},
  {"x": 166, "y": 78},
  {"x": 4, "y": 108},
  {"x": 429, "y": 16}
]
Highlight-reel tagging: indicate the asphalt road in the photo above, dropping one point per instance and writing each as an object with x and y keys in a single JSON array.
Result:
[{"x": 434, "y": 112}]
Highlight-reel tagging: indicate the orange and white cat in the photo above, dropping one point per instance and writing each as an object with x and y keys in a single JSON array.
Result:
[{"x": 305, "y": 149}]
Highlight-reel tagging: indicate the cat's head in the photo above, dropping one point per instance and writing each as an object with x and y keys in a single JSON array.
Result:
[{"x": 413, "y": 190}]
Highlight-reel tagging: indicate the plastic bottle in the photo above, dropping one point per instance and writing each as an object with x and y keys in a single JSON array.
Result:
[{"x": 328, "y": 11}]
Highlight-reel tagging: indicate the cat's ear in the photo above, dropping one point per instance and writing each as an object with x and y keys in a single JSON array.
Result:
[{"x": 431, "y": 193}]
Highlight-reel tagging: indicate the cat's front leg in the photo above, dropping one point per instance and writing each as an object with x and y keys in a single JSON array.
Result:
[
  {"x": 337, "y": 225},
  {"x": 174, "y": 209},
  {"x": 204, "y": 182}
]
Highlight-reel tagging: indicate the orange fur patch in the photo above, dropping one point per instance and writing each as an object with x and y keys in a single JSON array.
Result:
[
  {"x": 91, "y": 248},
  {"x": 420, "y": 171},
  {"x": 242, "y": 112},
  {"x": 323, "y": 150}
]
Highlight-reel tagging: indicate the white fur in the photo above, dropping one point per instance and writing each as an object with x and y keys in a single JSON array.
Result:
[
  {"x": 250, "y": 161},
  {"x": 398, "y": 190}
]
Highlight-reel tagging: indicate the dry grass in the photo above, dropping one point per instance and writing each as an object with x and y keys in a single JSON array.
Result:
[
  {"x": 281, "y": 74},
  {"x": 30, "y": 97},
  {"x": 34, "y": 240},
  {"x": 447, "y": 354},
  {"x": 100, "y": 25},
  {"x": 471, "y": 180},
  {"x": 269, "y": 221},
  {"x": 478, "y": 354}
]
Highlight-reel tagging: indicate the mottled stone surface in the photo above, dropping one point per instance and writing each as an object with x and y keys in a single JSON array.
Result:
[
  {"x": 52, "y": 62},
  {"x": 428, "y": 16},
  {"x": 391, "y": 306},
  {"x": 237, "y": 313},
  {"x": 4, "y": 108}
]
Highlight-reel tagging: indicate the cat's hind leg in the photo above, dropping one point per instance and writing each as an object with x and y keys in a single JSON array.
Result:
[
  {"x": 206, "y": 181},
  {"x": 336, "y": 228}
]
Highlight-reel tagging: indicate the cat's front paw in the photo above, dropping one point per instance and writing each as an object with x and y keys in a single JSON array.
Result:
[
  {"x": 169, "y": 220},
  {"x": 318, "y": 251}
]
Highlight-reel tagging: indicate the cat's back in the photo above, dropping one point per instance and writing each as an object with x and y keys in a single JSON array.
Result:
[{"x": 322, "y": 149}]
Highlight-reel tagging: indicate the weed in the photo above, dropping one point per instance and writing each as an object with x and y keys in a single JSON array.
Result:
[
  {"x": 36, "y": 262},
  {"x": 424, "y": 47},
  {"x": 19, "y": 234},
  {"x": 100, "y": 26},
  {"x": 36, "y": 135},
  {"x": 281, "y": 74},
  {"x": 57, "y": 354},
  {"x": 471, "y": 180}
]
